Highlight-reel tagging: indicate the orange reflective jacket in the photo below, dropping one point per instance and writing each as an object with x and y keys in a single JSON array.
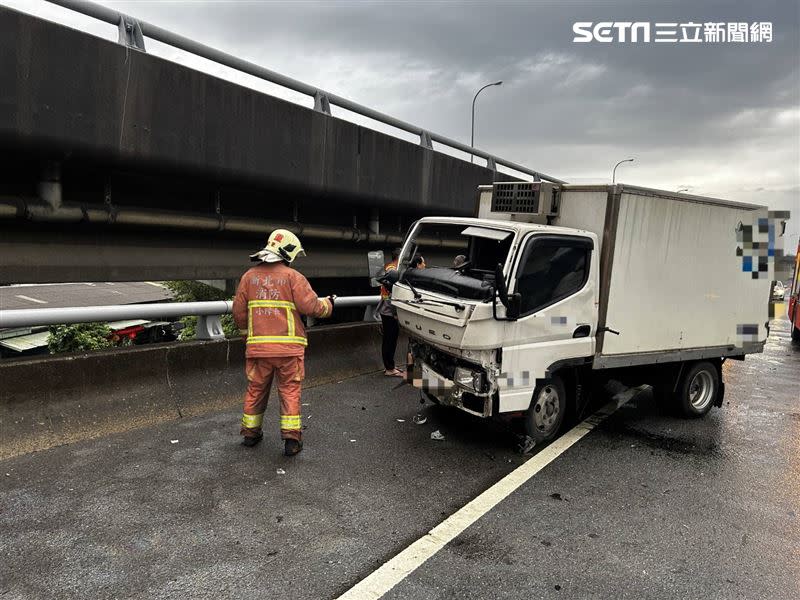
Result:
[{"x": 269, "y": 302}]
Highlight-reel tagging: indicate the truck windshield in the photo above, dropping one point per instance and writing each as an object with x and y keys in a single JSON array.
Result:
[{"x": 455, "y": 259}]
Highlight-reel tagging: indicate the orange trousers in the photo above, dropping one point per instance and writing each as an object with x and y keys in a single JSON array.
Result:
[{"x": 290, "y": 372}]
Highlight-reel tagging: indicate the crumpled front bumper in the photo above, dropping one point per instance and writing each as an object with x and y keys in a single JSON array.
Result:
[{"x": 442, "y": 390}]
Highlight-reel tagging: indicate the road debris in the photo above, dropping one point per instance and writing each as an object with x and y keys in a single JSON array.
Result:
[
  {"x": 525, "y": 444},
  {"x": 437, "y": 435},
  {"x": 401, "y": 420},
  {"x": 280, "y": 472},
  {"x": 420, "y": 419},
  {"x": 173, "y": 441},
  {"x": 352, "y": 440}
]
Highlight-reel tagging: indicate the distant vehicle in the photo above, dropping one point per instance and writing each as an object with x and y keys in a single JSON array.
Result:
[
  {"x": 794, "y": 298},
  {"x": 30, "y": 341},
  {"x": 779, "y": 291}
]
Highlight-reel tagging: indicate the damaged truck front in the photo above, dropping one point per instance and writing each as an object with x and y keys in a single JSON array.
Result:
[{"x": 483, "y": 331}]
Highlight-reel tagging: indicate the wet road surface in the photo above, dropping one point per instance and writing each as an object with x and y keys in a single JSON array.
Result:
[{"x": 645, "y": 506}]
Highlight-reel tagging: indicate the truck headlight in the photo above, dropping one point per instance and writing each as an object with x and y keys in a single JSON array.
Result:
[
  {"x": 463, "y": 377},
  {"x": 478, "y": 381},
  {"x": 467, "y": 378}
]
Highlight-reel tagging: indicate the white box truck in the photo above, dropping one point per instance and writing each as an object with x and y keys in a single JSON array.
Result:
[{"x": 563, "y": 283}]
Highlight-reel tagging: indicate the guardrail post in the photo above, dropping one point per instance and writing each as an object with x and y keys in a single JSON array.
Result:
[
  {"x": 130, "y": 33},
  {"x": 209, "y": 327},
  {"x": 425, "y": 140},
  {"x": 491, "y": 164},
  {"x": 321, "y": 103}
]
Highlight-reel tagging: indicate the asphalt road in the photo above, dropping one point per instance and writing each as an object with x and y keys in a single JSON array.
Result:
[
  {"x": 58, "y": 295},
  {"x": 645, "y": 506}
]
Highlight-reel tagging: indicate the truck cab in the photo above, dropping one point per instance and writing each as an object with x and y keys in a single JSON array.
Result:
[{"x": 483, "y": 333}]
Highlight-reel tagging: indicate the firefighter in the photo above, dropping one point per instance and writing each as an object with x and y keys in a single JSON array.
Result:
[{"x": 268, "y": 304}]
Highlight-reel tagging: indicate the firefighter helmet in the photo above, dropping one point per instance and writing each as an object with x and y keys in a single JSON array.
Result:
[{"x": 284, "y": 244}]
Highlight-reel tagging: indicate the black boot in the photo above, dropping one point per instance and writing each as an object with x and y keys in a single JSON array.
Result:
[
  {"x": 250, "y": 441},
  {"x": 292, "y": 447}
]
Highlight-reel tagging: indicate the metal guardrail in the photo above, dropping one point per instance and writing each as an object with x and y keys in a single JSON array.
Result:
[
  {"x": 133, "y": 31},
  {"x": 209, "y": 326}
]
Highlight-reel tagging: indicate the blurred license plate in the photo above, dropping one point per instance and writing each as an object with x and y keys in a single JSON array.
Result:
[{"x": 433, "y": 382}]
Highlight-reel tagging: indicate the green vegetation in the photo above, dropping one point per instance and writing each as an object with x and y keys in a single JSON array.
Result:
[
  {"x": 79, "y": 337},
  {"x": 195, "y": 291},
  {"x": 86, "y": 337}
]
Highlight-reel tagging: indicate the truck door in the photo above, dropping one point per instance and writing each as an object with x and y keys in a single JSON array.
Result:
[{"x": 556, "y": 277}]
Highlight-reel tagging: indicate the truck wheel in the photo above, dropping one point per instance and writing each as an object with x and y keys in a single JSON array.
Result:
[
  {"x": 547, "y": 410},
  {"x": 795, "y": 335},
  {"x": 698, "y": 389}
]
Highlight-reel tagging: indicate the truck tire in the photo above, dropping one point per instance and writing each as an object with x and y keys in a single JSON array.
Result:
[
  {"x": 795, "y": 335},
  {"x": 697, "y": 389},
  {"x": 547, "y": 410}
]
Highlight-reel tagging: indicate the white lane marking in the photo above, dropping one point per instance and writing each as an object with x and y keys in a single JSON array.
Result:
[
  {"x": 154, "y": 283},
  {"x": 392, "y": 572},
  {"x": 19, "y": 285},
  {"x": 31, "y": 299}
]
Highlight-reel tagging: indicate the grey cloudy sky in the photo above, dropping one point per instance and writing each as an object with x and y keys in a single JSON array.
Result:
[{"x": 722, "y": 119}]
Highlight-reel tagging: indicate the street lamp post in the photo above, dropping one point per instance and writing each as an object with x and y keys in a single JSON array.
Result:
[
  {"x": 472, "y": 136},
  {"x": 614, "y": 172}
]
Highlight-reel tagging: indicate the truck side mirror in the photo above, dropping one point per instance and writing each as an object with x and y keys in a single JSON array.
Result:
[
  {"x": 500, "y": 284},
  {"x": 514, "y": 306},
  {"x": 389, "y": 279},
  {"x": 512, "y": 302}
]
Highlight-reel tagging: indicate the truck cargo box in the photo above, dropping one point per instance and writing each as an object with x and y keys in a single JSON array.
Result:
[{"x": 681, "y": 276}]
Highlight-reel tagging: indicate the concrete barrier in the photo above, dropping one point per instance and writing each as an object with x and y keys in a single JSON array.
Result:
[{"x": 46, "y": 402}]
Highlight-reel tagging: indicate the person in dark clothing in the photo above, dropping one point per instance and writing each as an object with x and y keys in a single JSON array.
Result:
[
  {"x": 418, "y": 262},
  {"x": 391, "y": 327}
]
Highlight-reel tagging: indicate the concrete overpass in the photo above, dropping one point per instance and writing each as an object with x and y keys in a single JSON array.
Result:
[{"x": 123, "y": 165}]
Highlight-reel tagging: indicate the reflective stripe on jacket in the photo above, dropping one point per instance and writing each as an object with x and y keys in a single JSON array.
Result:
[{"x": 269, "y": 302}]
